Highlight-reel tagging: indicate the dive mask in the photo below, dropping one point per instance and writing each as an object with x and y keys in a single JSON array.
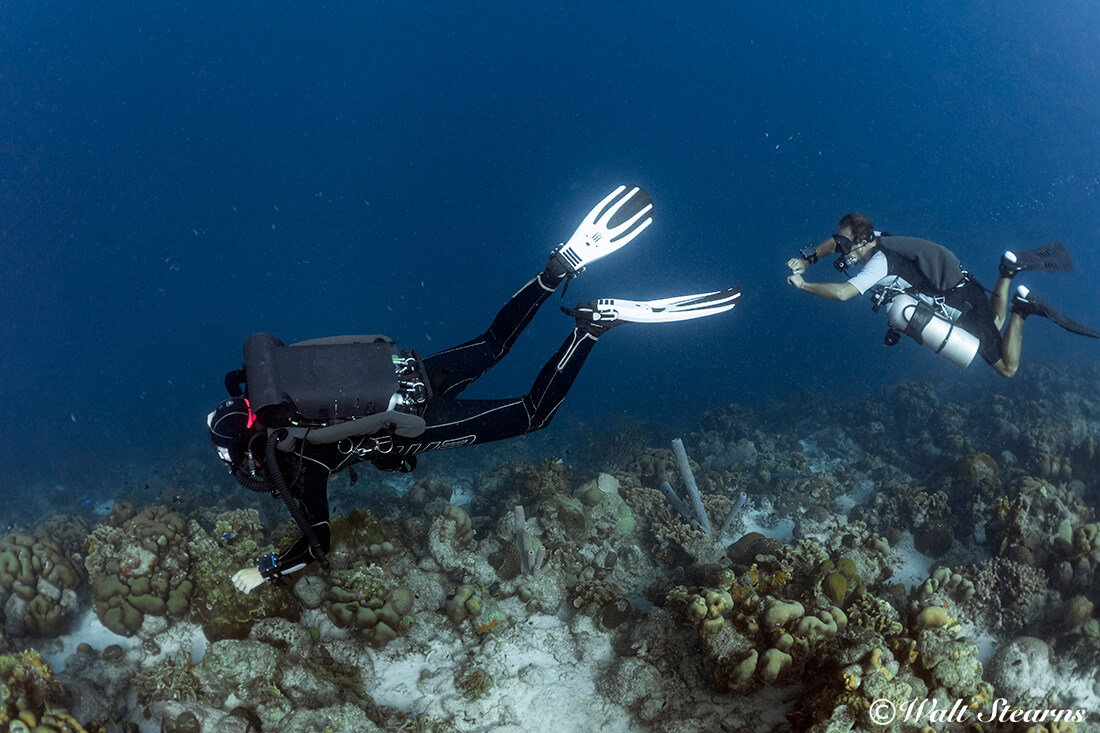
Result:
[{"x": 846, "y": 259}]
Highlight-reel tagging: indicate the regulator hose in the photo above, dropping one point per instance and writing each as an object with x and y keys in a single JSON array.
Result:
[{"x": 275, "y": 475}]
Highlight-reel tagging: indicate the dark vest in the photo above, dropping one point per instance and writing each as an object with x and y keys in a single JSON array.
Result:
[{"x": 931, "y": 268}]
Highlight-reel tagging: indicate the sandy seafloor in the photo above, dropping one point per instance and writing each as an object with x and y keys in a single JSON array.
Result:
[{"x": 925, "y": 545}]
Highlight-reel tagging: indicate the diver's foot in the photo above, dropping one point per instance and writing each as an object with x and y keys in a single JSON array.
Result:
[
  {"x": 612, "y": 224},
  {"x": 1009, "y": 265},
  {"x": 556, "y": 270},
  {"x": 1025, "y": 304},
  {"x": 1051, "y": 257},
  {"x": 596, "y": 316}
]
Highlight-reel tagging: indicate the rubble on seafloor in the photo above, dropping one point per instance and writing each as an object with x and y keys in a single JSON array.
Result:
[{"x": 927, "y": 555}]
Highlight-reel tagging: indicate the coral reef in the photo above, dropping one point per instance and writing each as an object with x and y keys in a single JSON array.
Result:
[
  {"x": 356, "y": 599},
  {"x": 138, "y": 569},
  {"x": 38, "y": 584},
  {"x": 233, "y": 543},
  {"x": 31, "y": 699},
  {"x": 920, "y": 546}
]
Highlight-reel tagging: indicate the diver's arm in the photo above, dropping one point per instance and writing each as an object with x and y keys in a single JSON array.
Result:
[
  {"x": 828, "y": 291},
  {"x": 274, "y": 566},
  {"x": 798, "y": 265},
  {"x": 312, "y": 489}
]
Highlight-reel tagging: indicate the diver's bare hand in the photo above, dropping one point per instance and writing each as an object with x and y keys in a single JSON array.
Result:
[
  {"x": 246, "y": 579},
  {"x": 796, "y": 280},
  {"x": 797, "y": 265}
]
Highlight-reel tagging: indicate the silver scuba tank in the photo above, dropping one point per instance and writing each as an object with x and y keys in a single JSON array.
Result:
[{"x": 919, "y": 320}]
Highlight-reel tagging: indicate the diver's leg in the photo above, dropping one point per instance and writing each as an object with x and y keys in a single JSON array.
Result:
[
  {"x": 453, "y": 423},
  {"x": 999, "y": 299},
  {"x": 558, "y": 375},
  {"x": 453, "y": 370},
  {"x": 1011, "y": 346},
  {"x": 614, "y": 222}
]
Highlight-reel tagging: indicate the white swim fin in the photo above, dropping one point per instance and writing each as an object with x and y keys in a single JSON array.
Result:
[
  {"x": 607, "y": 312},
  {"x": 612, "y": 224}
]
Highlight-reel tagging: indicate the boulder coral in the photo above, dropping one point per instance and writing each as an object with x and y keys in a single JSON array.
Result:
[
  {"x": 140, "y": 568},
  {"x": 38, "y": 584},
  {"x": 357, "y": 600}
]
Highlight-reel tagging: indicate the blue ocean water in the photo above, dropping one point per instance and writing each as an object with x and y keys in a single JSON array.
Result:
[{"x": 176, "y": 176}]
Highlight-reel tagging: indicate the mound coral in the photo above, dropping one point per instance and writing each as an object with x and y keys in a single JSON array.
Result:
[
  {"x": 140, "y": 569},
  {"x": 38, "y": 584},
  {"x": 359, "y": 601}
]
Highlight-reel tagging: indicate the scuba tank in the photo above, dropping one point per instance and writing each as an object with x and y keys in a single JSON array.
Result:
[{"x": 920, "y": 321}]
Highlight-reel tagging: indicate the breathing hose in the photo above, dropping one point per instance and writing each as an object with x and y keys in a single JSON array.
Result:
[
  {"x": 295, "y": 509},
  {"x": 275, "y": 476}
]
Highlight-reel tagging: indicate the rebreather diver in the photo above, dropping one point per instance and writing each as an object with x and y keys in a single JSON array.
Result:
[{"x": 299, "y": 413}]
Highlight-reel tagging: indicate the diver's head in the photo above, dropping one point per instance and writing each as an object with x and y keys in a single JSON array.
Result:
[
  {"x": 855, "y": 239},
  {"x": 230, "y": 431}
]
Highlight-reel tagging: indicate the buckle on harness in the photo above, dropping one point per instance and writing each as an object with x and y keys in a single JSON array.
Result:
[{"x": 381, "y": 444}]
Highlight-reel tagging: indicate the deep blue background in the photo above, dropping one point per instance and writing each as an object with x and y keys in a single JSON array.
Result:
[{"x": 176, "y": 176}]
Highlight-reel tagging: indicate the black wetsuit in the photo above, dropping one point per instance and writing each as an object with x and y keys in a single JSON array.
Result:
[{"x": 451, "y": 422}]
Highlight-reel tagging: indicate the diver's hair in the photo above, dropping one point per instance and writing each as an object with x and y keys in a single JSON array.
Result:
[{"x": 862, "y": 228}]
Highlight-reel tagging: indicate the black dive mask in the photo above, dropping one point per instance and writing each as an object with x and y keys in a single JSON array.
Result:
[
  {"x": 230, "y": 430},
  {"x": 846, "y": 259}
]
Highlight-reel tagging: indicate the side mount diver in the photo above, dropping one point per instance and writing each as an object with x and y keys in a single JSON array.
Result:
[
  {"x": 298, "y": 414},
  {"x": 930, "y": 298}
]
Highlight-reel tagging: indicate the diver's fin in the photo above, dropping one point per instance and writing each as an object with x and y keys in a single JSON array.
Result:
[
  {"x": 612, "y": 224},
  {"x": 607, "y": 312},
  {"x": 1051, "y": 257},
  {"x": 1026, "y": 304}
]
